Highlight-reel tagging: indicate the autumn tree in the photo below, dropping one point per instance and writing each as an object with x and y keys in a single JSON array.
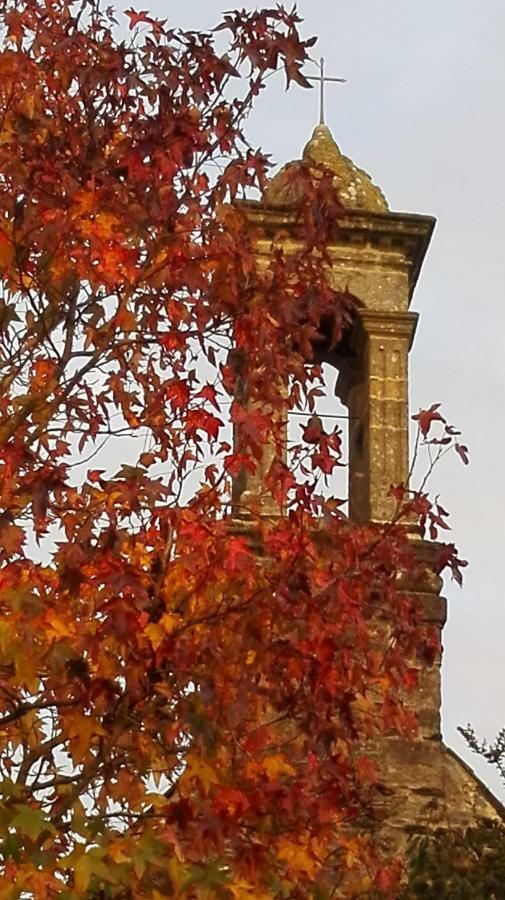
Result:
[{"x": 185, "y": 682}]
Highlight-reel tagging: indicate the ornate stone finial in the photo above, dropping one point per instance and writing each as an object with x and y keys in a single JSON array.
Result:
[
  {"x": 323, "y": 150},
  {"x": 356, "y": 189}
]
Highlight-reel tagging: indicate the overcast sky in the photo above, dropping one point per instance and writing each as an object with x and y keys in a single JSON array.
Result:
[{"x": 423, "y": 113}]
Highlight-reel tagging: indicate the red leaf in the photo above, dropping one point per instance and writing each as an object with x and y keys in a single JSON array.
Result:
[
  {"x": 383, "y": 880},
  {"x": 201, "y": 420},
  {"x": 177, "y": 394},
  {"x": 211, "y": 473},
  {"x": 425, "y": 418},
  {"x": 12, "y": 538},
  {"x": 462, "y": 450},
  {"x": 209, "y": 393},
  {"x": 311, "y": 434},
  {"x": 239, "y": 555},
  {"x": 40, "y": 500},
  {"x": 136, "y": 17},
  {"x": 230, "y": 802},
  {"x": 172, "y": 340},
  {"x": 237, "y": 461},
  {"x": 325, "y": 462},
  {"x": 95, "y": 475},
  {"x": 211, "y": 424}
]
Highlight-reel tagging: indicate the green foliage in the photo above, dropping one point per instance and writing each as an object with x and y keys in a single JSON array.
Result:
[
  {"x": 493, "y": 753},
  {"x": 459, "y": 866}
]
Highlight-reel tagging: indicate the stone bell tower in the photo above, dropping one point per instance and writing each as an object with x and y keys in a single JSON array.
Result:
[{"x": 377, "y": 256}]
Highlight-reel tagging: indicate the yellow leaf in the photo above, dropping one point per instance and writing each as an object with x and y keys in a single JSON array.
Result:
[
  {"x": 26, "y": 281},
  {"x": 277, "y": 765},
  {"x": 241, "y": 890},
  {"x": 117, "y": 853},
  {"x": 359, "y": 887},
  {"x": 83, "y": 202},
  {"x": 107, "y": 224},
  {"x": 83, "y": 871},
  {"x": 7, "y": 133},
  {"x": 7, "y": 253},
  {"x": 26, "y": 667},
  {"x": 155, "y": 634},
  {"x": 87, "y": 866},
  {"x": 178, "y": 874},
  {"x": 81, "y": 729},
  {"x": 61, "y": 628},
  {"x": 297, "y": 857},
  {"x": 169, "y": 623},
  {"x": 195, "y": 768}
]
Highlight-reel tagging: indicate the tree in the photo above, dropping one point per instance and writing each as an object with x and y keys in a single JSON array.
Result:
[
  {"x": 462, "y": 866},
  {"x": 183, "y": 690},
  {"x": 466, "y": 864},
  {"x": 493, "y": 753}
]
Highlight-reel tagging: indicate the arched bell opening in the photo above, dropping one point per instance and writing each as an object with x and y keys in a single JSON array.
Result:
[
  {"x": 326, "y": 413},
  {"x": 317, "y": 434},
  {"x": 360, "y": 392}
]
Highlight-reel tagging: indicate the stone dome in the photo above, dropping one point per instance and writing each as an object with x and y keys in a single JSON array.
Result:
[{"x": 356, "y": 188}]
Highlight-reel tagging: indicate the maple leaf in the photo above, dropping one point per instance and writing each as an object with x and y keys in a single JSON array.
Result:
[
  {"x": 313, "y": 431},
  {"x": 81, "y": 730},
  {"x": 12, "y": 538},
  {"x": 325, "y": 462},
  {"x": 426, "y": 417},
  {"x": 91, "y": 864},
  {"x": 31, "y": 821},
  {"x": 230, "y": 801},
  {"x": 298, "y": 858},
  {"x": 462, "y": 451},
  {"x": 277, "y": 765},
  {"x": 238, "y": 555},
  {"x": 197, "y": 769},
  {"x": 177, "y": 394},
  {"x": 138, "y": 17},
  {"x": 209, "y": 392},
  {"x": 201, "y": 420}
]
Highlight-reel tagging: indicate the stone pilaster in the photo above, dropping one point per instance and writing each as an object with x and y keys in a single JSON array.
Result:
[
  {"x": 376, "y": 392},
  {"x": 250, "y": 492}
]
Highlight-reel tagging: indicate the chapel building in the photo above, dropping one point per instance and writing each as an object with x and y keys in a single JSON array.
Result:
[{"x": 376, "y": 256}]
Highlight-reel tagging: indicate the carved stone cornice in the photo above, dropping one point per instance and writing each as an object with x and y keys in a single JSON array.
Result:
[{"x": 387, "y": 232}]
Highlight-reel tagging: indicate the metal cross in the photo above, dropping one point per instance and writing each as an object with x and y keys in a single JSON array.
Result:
[{"x": 322, "y": 79}]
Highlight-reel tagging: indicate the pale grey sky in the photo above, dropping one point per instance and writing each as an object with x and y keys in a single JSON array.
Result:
[{"x": 423, "y": 112}]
